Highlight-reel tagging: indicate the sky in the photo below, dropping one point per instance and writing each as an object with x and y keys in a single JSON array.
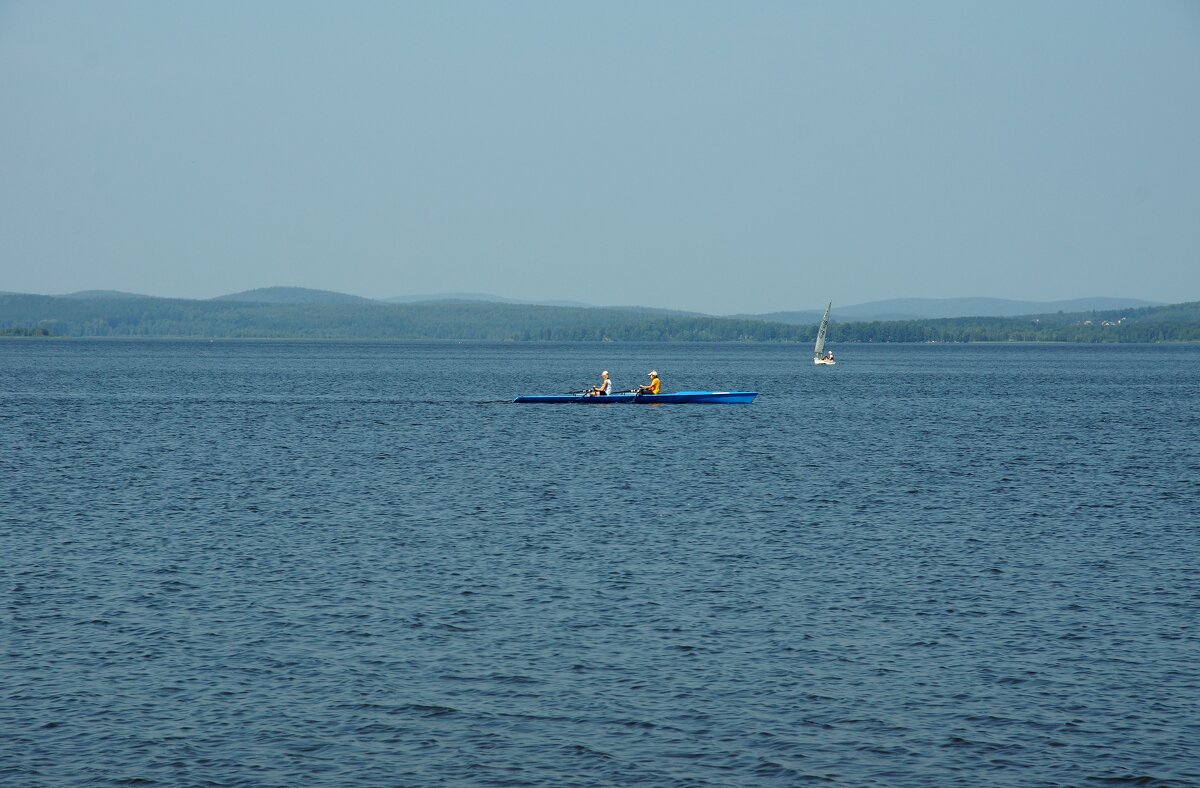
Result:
[{"x": 714, "y": 156}]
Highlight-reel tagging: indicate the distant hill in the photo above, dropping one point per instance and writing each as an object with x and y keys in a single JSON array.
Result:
[
  {"x": 1168, "y": 323},
  {"x": 476, "y": 297},
  {"x": 801, "y": 318},
  {"x": 655, "y": 310},
  {"x": 163, "y": 317},
  {"x": 293, "y": 295},
  {"x": 31, "y": 315},
  {"x": 485, "y": 298},
  {"x": 938, "y": 308},
  {"x": 91, "y": 295},
  {"x": 935, "y": 308}
]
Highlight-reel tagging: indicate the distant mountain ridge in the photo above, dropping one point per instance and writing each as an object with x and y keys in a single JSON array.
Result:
[
  {"x": 487, "y": 298},
  {"x": 33, "y": 315},
  {"x": 935, "y": 308},
  {"x": 896, "y": 309},
  {"x": 889, "y": 309},
  {"x": 91, "y": 295},
  {"x": 940, "y": 308},
  {"x": 476, "y": 297},
  {"x": 462, "y": 320},
  {"x": 799, "y": 318},
  {"x": 304, "y": 295},
  {"x": 293, "y": 295}
]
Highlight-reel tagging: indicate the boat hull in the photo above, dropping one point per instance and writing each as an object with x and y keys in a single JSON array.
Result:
[
  {"x": 678, "y": 397},
  {"x": 824, "y": 362}
]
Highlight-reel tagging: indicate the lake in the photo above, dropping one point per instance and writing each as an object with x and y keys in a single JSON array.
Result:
[{"x": 333, "y": 563}]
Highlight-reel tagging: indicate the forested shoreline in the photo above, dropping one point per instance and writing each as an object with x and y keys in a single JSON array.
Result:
[{"x": 33, "y": 315}]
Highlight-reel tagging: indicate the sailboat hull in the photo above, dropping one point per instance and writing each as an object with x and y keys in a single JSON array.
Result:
[{"x": 824, "y": 362}]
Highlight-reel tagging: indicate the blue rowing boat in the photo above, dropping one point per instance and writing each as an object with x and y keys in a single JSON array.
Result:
[{"x": 691, "y": 397}]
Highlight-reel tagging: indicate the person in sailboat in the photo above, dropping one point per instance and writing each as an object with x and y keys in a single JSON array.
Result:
[
  {"x": 603, "y": 389},
  {"x": 828, "y": 356},
  {"x": 653, "y": 387}
]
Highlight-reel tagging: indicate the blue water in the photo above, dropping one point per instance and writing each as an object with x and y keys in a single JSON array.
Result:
[{"x": 335, "y": 563}]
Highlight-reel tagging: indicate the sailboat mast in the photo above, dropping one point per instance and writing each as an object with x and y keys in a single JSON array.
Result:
[{"x": 817, "y": 348}]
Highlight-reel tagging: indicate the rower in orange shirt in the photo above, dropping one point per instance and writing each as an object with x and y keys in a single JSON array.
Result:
[{"x": 655, "y": 384}]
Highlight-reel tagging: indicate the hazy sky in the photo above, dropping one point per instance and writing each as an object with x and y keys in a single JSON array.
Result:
[{"x": 718, "y": 156}]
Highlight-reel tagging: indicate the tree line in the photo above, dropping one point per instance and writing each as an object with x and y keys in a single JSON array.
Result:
[
  {"x": 30, "y": 315},
  {"x": 450, "y": 320}
]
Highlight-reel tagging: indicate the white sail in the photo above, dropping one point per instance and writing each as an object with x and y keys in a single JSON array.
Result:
[{"x": 820, "y": 346}]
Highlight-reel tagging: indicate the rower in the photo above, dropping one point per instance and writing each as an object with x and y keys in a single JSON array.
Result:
[
  {"x": 605, "y": 387},
  {"x": 655, "y": 385}
]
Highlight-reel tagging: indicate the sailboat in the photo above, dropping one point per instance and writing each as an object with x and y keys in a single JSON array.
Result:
[{"x": 819, "y": 348}]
